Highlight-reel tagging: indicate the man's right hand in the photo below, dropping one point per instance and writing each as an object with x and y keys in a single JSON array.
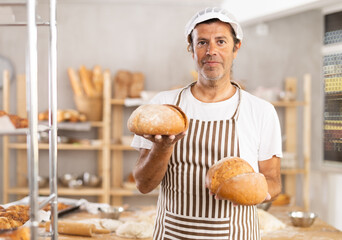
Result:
[{"x": 164, "y": 140}]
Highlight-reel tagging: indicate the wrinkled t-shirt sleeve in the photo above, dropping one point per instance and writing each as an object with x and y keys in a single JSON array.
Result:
[{"x": 270, "y": 139}]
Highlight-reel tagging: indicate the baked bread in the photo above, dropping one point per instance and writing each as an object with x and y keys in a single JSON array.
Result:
[
  {"x": 17, "y": 121},
  {"x": 22, "y": 233},
  {"x": 235, "y": 180},
  {"x": 157, "y": 119}
]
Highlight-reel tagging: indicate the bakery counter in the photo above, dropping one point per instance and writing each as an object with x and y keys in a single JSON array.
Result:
[
  {"x": 318, "y": 231},
  {"x": 139, "y": 223}
]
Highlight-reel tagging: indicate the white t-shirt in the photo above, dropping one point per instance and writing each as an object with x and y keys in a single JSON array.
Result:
[{"x": 258, "y": 125}]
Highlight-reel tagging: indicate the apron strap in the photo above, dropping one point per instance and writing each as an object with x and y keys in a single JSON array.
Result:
[
  {"x": 180, "y": 93},
  {"x": 236, "y": 113}
]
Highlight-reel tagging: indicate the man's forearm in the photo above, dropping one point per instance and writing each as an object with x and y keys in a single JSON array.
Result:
[
  {"x": 274, "y": 187},
  {"x": 151, "y": 167}
]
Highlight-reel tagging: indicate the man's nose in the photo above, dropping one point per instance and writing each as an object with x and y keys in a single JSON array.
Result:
[{"x": 211, "y": 49}]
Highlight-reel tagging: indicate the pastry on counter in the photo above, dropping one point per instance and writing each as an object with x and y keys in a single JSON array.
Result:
[{"x": 17, "y": 121}]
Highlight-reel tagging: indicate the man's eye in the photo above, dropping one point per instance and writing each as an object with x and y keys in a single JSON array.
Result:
[
  {"x": 201, "y": 43},
  {"x": 221, "y": 42}
]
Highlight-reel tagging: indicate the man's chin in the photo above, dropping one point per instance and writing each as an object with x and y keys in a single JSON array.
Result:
[{"x": 211, "y": 77}]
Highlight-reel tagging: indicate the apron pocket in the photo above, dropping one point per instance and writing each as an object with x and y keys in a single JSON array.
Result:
[{"x": 184, "y": 227}]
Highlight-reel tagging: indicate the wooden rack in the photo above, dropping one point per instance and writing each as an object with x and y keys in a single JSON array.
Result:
[{"x": 291, "y": 143}]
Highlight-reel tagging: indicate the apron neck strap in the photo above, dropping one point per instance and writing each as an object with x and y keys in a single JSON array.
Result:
[{"x": 236, "y": 113}]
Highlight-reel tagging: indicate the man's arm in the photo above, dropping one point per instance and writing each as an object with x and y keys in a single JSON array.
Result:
[
  {"x": 271, "y": 170},
  {"x": 152, "y": 164}
]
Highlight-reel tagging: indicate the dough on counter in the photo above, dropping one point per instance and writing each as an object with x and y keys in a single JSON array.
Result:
[
  {"x": 104, "y": 223},
  {"x": 132, "y": 229},
  {"x": 268, "y": 222},
  {"x": 110, "y": 224}
]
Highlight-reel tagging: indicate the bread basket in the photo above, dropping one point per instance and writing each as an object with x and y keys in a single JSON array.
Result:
[{"x": 90, "y": 106}]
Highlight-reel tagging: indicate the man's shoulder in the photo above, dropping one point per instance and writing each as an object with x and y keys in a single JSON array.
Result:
[
  {"x": 168, "y": 96},
  {"x": 254, "y": 100}
]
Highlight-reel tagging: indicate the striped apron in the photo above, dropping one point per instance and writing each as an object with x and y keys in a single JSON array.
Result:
[{"x": 186, "y": 210}]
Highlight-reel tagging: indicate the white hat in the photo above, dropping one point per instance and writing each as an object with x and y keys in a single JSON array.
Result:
[{"x": 211, "y": 13}]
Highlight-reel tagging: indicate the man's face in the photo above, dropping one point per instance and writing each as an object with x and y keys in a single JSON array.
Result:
[{"x": 213, "y": 53}]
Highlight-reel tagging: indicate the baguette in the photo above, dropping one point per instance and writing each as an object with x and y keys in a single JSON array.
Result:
[
  {"x": 97, "y": 77},
  {"x": 157, "y": 119},
  {"x": 75, "y": 82},
  {"x": 86, "y": 82},
  {"x": 235, "y": 180}
]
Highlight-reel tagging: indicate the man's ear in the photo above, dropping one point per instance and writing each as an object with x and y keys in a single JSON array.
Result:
[
  {"x": 237, "y": 46},
  {"x": 236, "y": 49}
]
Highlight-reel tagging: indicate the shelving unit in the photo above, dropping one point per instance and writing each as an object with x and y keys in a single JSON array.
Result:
[
  {"x": 291, "y": 129},
  {"x": 118, "y": 191},
  {"x": 103, "y": 128}
]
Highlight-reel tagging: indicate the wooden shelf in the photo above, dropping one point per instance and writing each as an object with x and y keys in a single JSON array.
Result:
[
  {"x": 59, "y": 146},
  {"x": 96, "y": 124},
  {"x": 117, "y": 101},
  {"x": 61, "y": 191},
  {"x": 290, "y": 183},
  {"x": 288, "y": 103},
  {"x": 292, "y": 171},
  {"x": 121, "y": 147}
]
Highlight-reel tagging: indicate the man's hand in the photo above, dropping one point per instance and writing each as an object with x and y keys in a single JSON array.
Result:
[{"x": 164, "y": 141}]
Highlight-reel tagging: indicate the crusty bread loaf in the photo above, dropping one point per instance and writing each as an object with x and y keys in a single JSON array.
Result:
[
  {"x": 22, "y": 233},
  {"x": 245, "y": 189},
  {"x": 235, "y": 180},
  {"x": 224, "y": 169},
  {"x": 157, "y": 119},
  {"x": 122, "y": 81},
  {"x": 136, "y": 85},
  {"x": 98, "y": 79},
  {"x": 75, "y": 82},
  {"x": 86, "y": 81}
]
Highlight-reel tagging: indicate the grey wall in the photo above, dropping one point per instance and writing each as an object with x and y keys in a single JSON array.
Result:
[{"x": 149, "y": 38}]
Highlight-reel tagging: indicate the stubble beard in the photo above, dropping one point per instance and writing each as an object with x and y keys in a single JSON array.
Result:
[{"x": 212, "y": 77}]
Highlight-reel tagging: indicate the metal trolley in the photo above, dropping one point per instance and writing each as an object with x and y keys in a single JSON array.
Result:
[{"x": 32, "y": 110}]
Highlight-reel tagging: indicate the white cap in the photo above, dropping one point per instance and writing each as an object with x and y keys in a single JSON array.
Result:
[{"x": 211, "y": 13}]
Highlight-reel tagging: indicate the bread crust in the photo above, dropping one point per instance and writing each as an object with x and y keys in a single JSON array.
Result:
[
  {"x": 225, "y": 169},
  {"x": 244, "y": 189},
  {"x": 234, "y": 179},
  {"x": 157, "y": 119}
]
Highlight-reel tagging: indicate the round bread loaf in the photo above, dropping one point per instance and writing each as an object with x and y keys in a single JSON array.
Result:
[
  {"x": 157, "y": 119},
  {"x": 235, "y": 180}
]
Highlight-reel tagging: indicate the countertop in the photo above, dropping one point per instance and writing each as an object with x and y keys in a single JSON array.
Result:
[{"x": 318, "y": 231}]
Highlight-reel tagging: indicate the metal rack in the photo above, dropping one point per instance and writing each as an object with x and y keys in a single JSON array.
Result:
[{"x": 32, "y": 103}]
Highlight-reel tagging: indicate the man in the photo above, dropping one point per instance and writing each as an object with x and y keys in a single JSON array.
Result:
[{"x": 223, "y": 121}]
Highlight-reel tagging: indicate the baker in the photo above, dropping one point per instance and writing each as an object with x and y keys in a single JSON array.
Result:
[{"x": 224, "y": 121}]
